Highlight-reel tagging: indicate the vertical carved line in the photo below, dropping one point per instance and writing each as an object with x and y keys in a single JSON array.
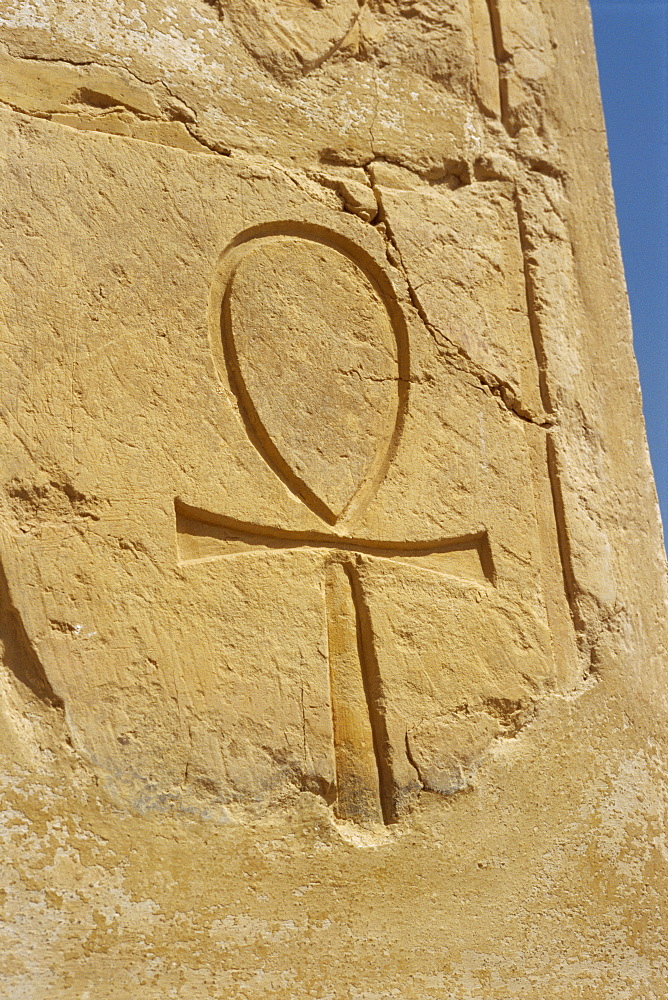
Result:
[
  {"x": 357, "y": 783},
  {"x": 487, "y": 65},
  {"x": 375, "y": 698},
  {"x": 532, "y": 311},
  {"x": 363, "y": 794},
  {"x": 500, "y": 54},
  {"x": 565, "y": 556},
  {"x": 570, "y": 585},
  {"x": 553, "y": 568}
]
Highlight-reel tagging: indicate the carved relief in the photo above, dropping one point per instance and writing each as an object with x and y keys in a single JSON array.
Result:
[
  {"x": 317, "y": 362},
  {"x": 366, "y": 787},
  {"x": 484, "y": 20},
  {"x": 347, "y": 597},
  {"x": 274, "y": 339},
  {"x": 330, "y": 376},
  {"x": 291, "y": 37}
]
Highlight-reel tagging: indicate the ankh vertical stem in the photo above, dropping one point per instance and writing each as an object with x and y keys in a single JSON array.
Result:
[{"x": 359, "y": 793}]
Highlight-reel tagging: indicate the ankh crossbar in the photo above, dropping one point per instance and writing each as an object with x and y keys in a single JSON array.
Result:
[{"x": 364, "y": 784}]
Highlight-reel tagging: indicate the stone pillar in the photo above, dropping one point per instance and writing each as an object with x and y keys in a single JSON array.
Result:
[{"x": 333, "y": 588}]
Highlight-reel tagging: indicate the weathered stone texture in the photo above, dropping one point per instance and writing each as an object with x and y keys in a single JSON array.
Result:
[{"x": 333, "y": 594}]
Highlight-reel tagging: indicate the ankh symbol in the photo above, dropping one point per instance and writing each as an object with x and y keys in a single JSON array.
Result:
[
  {"x": 311, "y": 341},
  {"x": 366, "y": 790}
]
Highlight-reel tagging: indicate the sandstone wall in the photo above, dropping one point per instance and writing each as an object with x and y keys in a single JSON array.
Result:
[{"x": 333, "y": 594}]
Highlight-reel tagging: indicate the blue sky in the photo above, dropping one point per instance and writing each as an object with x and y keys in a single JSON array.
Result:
[{"x": 632, "y": 49}]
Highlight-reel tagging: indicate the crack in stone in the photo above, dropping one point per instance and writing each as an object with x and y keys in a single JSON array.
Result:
[{"x": 454, "y": 354}]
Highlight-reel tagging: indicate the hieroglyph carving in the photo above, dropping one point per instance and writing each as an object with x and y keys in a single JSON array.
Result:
[
  {"x": 367, "y": 790},
  {"x": 357, "y": 607},
  {"x": 288, "y": 302},
  {"x": 291, "y": 37},
  {"x": 318, "y": 361}
]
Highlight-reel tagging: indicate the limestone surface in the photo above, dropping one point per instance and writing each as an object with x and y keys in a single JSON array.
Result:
[{"x": 333, "y": 598}]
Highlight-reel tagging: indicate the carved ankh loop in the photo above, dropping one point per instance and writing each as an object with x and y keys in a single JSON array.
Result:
[{"x": 321, "y": 385}]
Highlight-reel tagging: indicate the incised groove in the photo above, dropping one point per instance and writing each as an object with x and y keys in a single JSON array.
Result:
[
  {"x": 361, "y": 772},
  {"x": 202, "y": 536},
  {"x": 290, "y": 38},
  {"x": 455, "y": 355},
  {"x": 333, "y": 466},
  {"x": 367, "y": 789},
  {"x": 18, "y": 652}
]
